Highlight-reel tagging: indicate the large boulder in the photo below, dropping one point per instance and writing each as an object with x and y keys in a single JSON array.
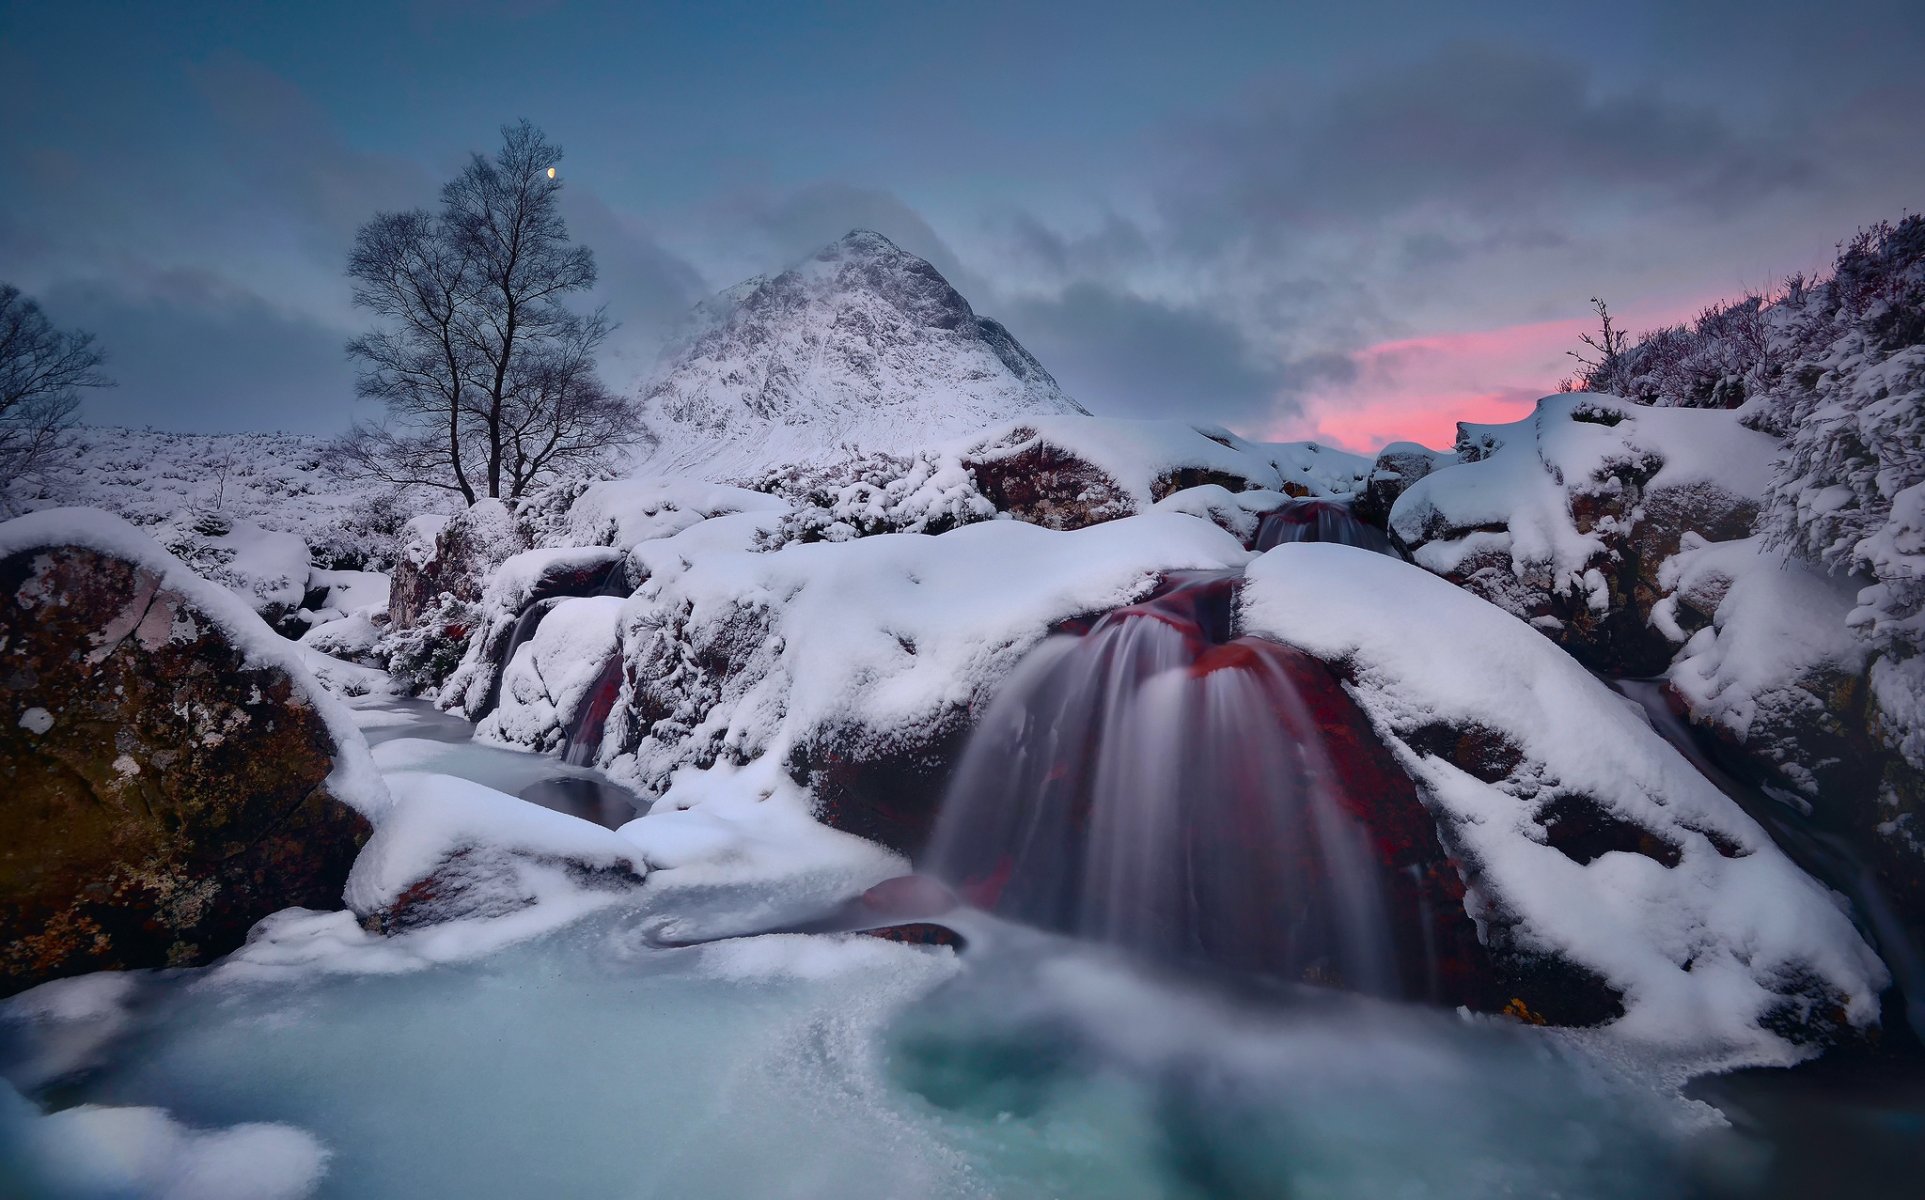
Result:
[
  {"x": 453, "y": 556},
  {"x": 1609, "y": 879},
  {"x": 1069, "y": 472},
  {"x": 1568, "y": 518},
  {"x": 1398, "y": 466},
  {"x": 169, "y": 771}
]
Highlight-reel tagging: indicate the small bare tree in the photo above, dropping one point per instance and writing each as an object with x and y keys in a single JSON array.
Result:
[
  {"x": 488, "y": 377},
  {"x": 1602, "y": 365},
  {"x": 42, "y": 370}
]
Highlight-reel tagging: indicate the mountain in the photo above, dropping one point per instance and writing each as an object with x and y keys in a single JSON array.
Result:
[{"x": 863, "y": 344}]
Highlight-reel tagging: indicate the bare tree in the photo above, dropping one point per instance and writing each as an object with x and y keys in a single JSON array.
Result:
[
  {"x": 42, "y": 370},
  {"x": 410, "y": 271},
  {"x": 1602, "y": 363},
  {"x": 558, "y": 415},
  {"x": 488, "y": 377}
]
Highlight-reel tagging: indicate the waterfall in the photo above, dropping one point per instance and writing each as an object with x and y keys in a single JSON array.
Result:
[
  {"x": 1157, "y": 784},
  {"x": 1319, "y": 521},
  {"x": 583, "y": 731},
  {"x": 524, "y": 629}
]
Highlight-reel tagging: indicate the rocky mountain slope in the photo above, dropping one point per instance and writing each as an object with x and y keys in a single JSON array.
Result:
[{"x": 863, "y": 345}]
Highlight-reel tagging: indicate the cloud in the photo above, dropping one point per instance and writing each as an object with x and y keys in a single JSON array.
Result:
[
  {"x": 191, "y": 351},
  {"x": 1134, "y": 356},
  {"x": 758, "y": 231},
  {"x": 1489, "y": 132}
]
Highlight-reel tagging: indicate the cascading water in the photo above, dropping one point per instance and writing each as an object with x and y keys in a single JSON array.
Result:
[
  {"x": 523, "y": 631},
  {"x": 583, "y": 730},
  {"x": 1155, "y": 784},
  {"x": 1319, "y": 521}
]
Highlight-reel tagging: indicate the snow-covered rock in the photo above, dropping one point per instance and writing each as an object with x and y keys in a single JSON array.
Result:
[
  {"x": 453, "y": 850},
  {"x": 1397, "y": 467},
  {"x": 456, "y": 558},
  {"x": 1567, "y": 518},
  {"x": 1067, "y": 472},
  {"x": 863, "y": 345},
  {"x": 173, "y": 771},
  {"x": 832, "y": 654},
  {"x": 1583, "y": 835}
]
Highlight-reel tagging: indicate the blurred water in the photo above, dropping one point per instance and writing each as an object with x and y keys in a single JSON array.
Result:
[{"x": 595, "y": 1063}]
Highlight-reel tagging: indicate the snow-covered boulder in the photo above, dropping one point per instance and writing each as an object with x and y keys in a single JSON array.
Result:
[
  {"x": 456, "y": 558},
  {"x": 454, "y": 850},
  {"x": 1567, "y": 518},
  {"x": 1587, "y": 841},
  {"x": 171, "y": 770},
  {"x": 546, "y": 684},
  {"x": 1068, "y": 472},
  {"x": 505, "y": 617},
  {"x": 267, "y": 568},
  {"x": 854, "y": 665}
]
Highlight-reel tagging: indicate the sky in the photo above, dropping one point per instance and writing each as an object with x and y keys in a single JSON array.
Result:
[{"x": 1353, "y": 222}]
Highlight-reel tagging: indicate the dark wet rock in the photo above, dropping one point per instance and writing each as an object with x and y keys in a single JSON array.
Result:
[
  {"x": 161, "y": 788},
  {"x": 886, "y": 789},
  {"x": 483, "y": 882},
  {"x": 1397, "y": 467}
]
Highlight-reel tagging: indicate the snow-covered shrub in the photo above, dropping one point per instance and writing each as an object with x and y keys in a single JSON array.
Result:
[
  {"x": 1850, "y": 492},
  {"x": 867, "y": 493},
  {"x": 367, "y": 536},
  {"x": 423, "y": 655}
]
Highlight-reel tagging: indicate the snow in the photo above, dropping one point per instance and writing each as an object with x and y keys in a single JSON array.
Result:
[
  {"x": 267, "y": 568},
  {"x": 862, "y": 345},
  {"x": 891, "y": 634},
  {"x": 1135, "y": 453},
  {"x": 1780, "y": 621},
  {"x": 548, "y": 680},
  {"x": 96, "y": 1152},
  {"x": 748, "y": 829},
  {"x": 348, "y": 593},
  {"x": 346, "y": 638},
  {"x": 1695, "y": 948},
  {"x": 621, "y": 512},
  {"x": 435, "y": 816},
  {"x": 1238, "y": 513},
  {"x": 1518, "y": 496},
  {"x": 353, "y": 779},
  {"x": 418, "y": 536},
  {"x": 160, "y": 480}
]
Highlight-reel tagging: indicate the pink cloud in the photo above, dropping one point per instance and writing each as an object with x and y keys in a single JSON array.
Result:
[{"x": 1418, "y": 389}]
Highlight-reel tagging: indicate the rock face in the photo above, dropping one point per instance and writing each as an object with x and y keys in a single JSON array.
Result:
[
  {"x": 1568, "y": 519},
  {"x": 1398, "y": 466},
  {"x": 165, "y": 783},
  {"x": 458, "y": 561},
  {"x": 1068, "y": 474},
  {"x": 863, "y": 345}
]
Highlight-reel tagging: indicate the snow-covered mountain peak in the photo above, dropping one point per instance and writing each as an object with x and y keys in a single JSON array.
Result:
[{"x": 862, "y": 344}]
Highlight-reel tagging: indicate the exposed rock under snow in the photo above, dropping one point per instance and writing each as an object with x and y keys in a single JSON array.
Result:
[{"x": 1714, "y": 938}]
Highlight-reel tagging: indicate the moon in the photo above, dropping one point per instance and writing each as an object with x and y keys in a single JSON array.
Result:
[{"x": 551, "y": 172}]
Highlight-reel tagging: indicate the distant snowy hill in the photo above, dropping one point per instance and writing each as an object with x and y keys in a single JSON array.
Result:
[
  {"x": 259, "y": 513},
  {"x": 863, "y": 345}
]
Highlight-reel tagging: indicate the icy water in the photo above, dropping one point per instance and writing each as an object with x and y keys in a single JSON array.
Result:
[{"x": 594, "y": 1061}]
